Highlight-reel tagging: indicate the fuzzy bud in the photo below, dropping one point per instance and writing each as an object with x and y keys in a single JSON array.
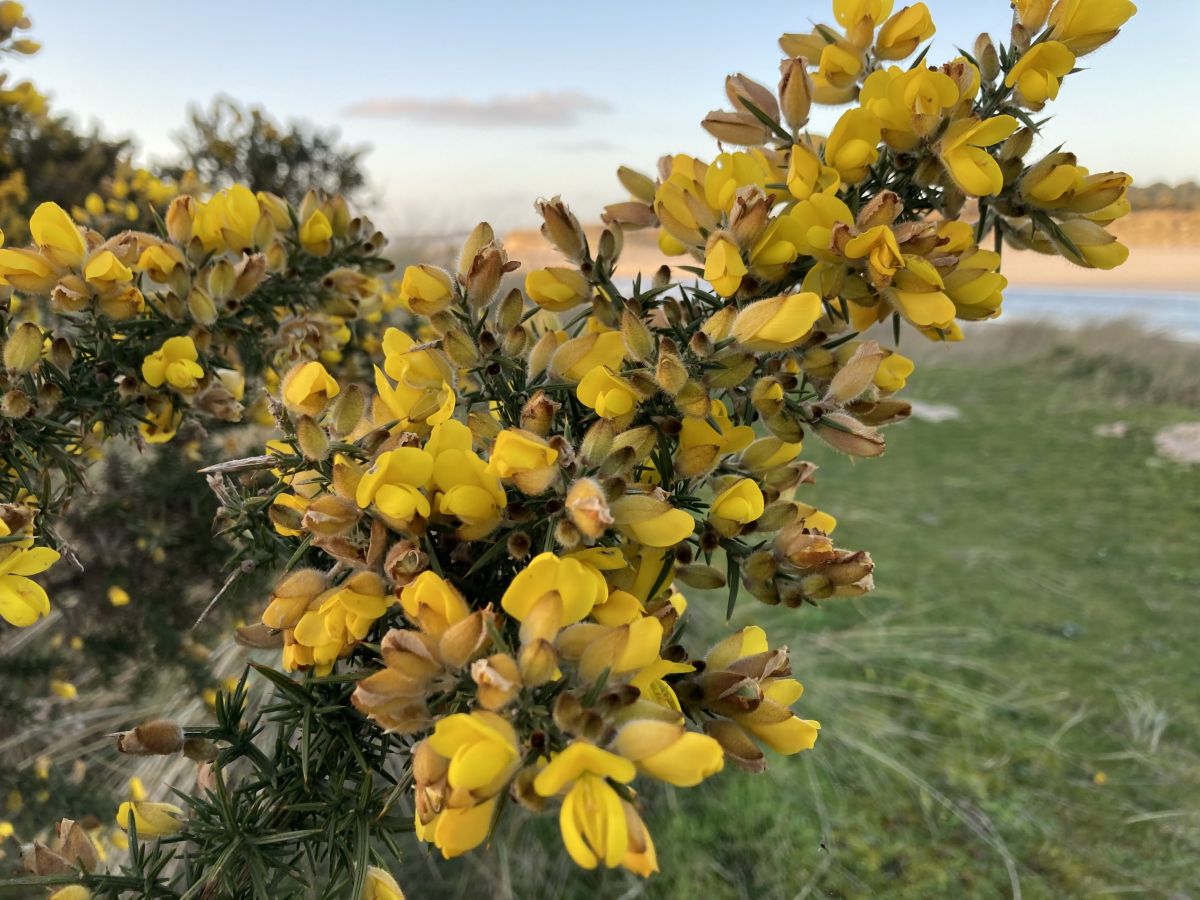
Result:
[
  {"x": 23, "y": 348},
  {"x": 160, "y": 737}
]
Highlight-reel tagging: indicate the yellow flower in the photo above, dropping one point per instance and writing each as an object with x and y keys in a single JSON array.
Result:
[
  {"x": 426, "y": 289},
  {"x": 1084, "y": 25},
  {"x": 778, "y": 323},
  {"x": 525, "y": 459},
  {"x": 617, "y": 649},
  {"x": 72, "y": 892},
  {"x": 552, "y": 592},
  {"x": 27, "y": 270},
  {"x": 839, "y": 65},
  {"x": 151, "y": 819},
  {"x": 557, "y": 288},
  {"x": 723, "y": 266},
  {"x": 1037, "y": 74},
  {"x": 162, "y": 421},
  {"x": 159, "y": 261},
  {"x": 482, "y": 749},
  {"x": 380, "y": 885},
  {"x": 701, "y": 445},
  {"x": 917, "y": 293},
  {"x": 1032, "y": 13},
  {"x": 592, "y": 820},
  {"x": 308, "y": 388},
  {"x": 609, "y": 395},
  {"x": 175, "y": 364},
  {"x": 879, "y": 247},
  {"x": 467, "y": 490},
  {"x": 669, "y": 752},
  {"x": 64, "y": 690},
  {"x": 433, "y": 603},
  {"x": 228, "y": 220},
  {"x": 903, "y": 32},
  {"x": 739, "y": 504},
  {"x": 104, "y": 270},
  {"x": 57, "y": 236},
  {"x": 976, "y": 285},
  {"x": 457, "y": 830},
  {"x": 812, "y": 223},
  {"x": 910, "y": 105},
  {"x": 316, "y": 234},
  {"x": 344, "y": 617},
  {"x": 23, "y": 601},
  {"x": 807, "y": 175},
  {"x": 853, "y": 145},
  {"x": 393, "y": 485},
  {"x": 962, "y": 151}
]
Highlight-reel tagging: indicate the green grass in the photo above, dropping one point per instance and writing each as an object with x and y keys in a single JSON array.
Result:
[{"x": 1013, "y": 710}]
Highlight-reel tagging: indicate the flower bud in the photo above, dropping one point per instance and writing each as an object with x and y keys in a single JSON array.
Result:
[
  {"x": 510, "y": 310},
  {"x": 587, "y": 507},
  {"x": 23, "y": 348},
  {"x": 795, "y": 92},
  {"x": 562, "y": 229},
  {"x": 537, "y": 415},
  {"x": 987, "y": 58},
  {"x": 537, "y": 662},
  {"x": 497, "y": 680},
  {"x": 179, "y": 219},
  {"x": 201, "y": 307},
  {"x": 857, "y": 374},
  {"x": 742, "y": 129},
  {"x": 157, "y": 738},
  {"x": 640, "y": 186},
  {"x": 740, "y": 88},
  {"x": 639, "y": 342},
  {"x": 15, "y": 404}
]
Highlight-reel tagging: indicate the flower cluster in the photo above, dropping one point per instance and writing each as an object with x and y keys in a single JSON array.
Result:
[
  {"x": 137, "y": 333},
  {"x": 492, "y": 535}
]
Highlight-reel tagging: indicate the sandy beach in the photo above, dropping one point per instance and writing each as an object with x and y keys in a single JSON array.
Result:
[{"x": 1164, "y": 256}]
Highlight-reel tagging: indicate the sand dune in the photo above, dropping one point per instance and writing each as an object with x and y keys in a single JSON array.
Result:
[{"x": 1164, "y": 256}]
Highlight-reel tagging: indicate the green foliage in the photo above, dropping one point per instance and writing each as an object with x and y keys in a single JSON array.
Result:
[{"x": 228, "y": 143}]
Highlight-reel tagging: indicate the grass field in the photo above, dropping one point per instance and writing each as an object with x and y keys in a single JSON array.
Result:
[{"x": 1014, "y": 710}]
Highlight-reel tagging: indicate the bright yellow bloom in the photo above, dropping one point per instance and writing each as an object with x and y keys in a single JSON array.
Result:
[
  {"x": 700, "y": 445},
  {"x": 433, "y": 604},
  {"x": 482, "y": 749},
  {"x": 316, "y": 234},
  {"x": 228, "y": 220},
  {"x": 343, "y": 618},
  {"x": 64, "y": 690},
  {"x": 902, "y": 33},
  {"x": 910, "y": 105},
  {"x": 976, "y": 285},
  {"x": 308, "y": 388},
  {"x": 159, "y": 261},
  {"x": 879, "y": 247},
  {"x": 23, "y": 601},
  {"x": 724, "y": 267},
  {"x": 71, "y": 892},
  {"x": 853, "y": 145},
  {"x": 852, "y": 14},
  {"x": 426, "y": 289},
  {"x": 917, "y": 293},
  {"x": 104, "y": 270},
  {"x": 839, "y": 65},
  {"x": 524, "y": 458},
  {"x": 550, "y": 593},
  {"x": 578, "y": 356},
  {"x": 669, "y": 752},
  {"x": 557, "y": 288},
  {"x": 457, "y": 830},
  {"x": 393, "y": 486},
  {"x": 608, "y": 394},
  {"x": 380, "y": 885},
  {"x": 577, "y": 760},
  {"x": 812, "y": 221},
  {"x": 57, "y": 236},
  {"x": 963, "y": 152},
  {"x": 151, "y": 819},
  {"x": 778, "y": 323},
  {"x": 162, "y": 421},
  {"x": 1031, "y": 14},
  {"x": 175, "y": 364},
  {"x": 1084, "y": 25},
  {"x": 1037, "y": 74},
  {"x": 739, "y": 504},
  {"x": 27, "y": 270},
  {"x": 617, "y": 649},
  {"x": 807, "y": 175},
  {"x": 467, "y": 490}
]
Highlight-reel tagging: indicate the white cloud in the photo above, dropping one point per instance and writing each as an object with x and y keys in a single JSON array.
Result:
[{"x": 542, "y": 109}]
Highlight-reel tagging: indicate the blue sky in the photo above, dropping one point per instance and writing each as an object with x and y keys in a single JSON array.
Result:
[{"x": 590, "y": 85}]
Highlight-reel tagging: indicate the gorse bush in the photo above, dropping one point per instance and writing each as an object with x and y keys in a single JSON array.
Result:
[{"x": 485, "y": 547}]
